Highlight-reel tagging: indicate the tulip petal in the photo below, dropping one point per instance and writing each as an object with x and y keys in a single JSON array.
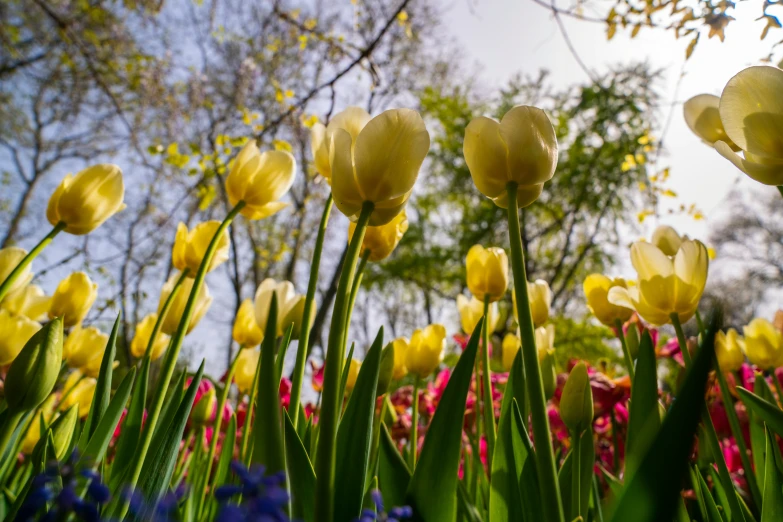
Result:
[
  {"x": 620, "y": 296},
  {"x": 702, "y": 116},
  {"x": 532, "y": 145},
  {"x": 352, "y": 120},
  {"x": 273, "y": 178},
  {"x": 769, "y": 173},
  {"x": 526, "y": 194},
  {"x": 345, "y": 189},
  {"x": 649, "y": 261},
  {"x": 486, "y": 156},
  {"x": 319, "y": 146},
  {"x": 389, "y": 152},
  {"x": 751, "y": 108}
]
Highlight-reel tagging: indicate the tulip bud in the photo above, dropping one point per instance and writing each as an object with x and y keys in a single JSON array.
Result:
[
  {"x": 763, "y": 344},
  {"x": 73, "y": 298},
  {"x": 379, "y": 165},
  {"x": 10, "y": 257},
  {"x": 204, "y": 408},
  {"x": 246, "y": 369},
  {"x": 386, "y": 370},
  {"x": 84, "y": 348},
  {"x": 632, "y": 340},
  {"x": 286, "y": 299},
  {"x": 425, "y": 350},
  {"x": 576, "y": 403},
  {"x": 34, "y": 372},
  {"x": 142, "y": 338},
  {"x": 728, "y": 351},
  {"x": 83, "y": 202},
  {"x": 174, "y": 316},
  {"x": 510, "y": 347},
  {"x": 471, "y": 310},
  {"x": 62, "y": 431},
  {"x": 353, "y": 373},
  {"x": 295, "y": 316},
  {"x": 522, "y": 148},
  {"x": 545, "y": 341},
  {"x": 16, "y": 331},
  {"x": 400, "y": 355},
  {"x": 191, "y": 247},
  {"x": 381, "y": 241},
  {"x": 596, "y": 288},
  {"x": 352, "y": 120},
  {"x": 487, "y": 272},
  {"x": 260, "y": 179},
  {"x": 28, "y": 301},
  {"x": 246, "y": 331}
]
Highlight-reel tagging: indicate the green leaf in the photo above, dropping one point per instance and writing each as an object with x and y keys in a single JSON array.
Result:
[
  {"x": 758, "y": 436},
  {"x": 100, "y": 399},
  {"x": 159, "y": 464},
  {"x": 131, "y": 427},
  {"x": 95, "y": 450},
  {"x": 713, "y": 513},
  {"x": 393, "y": 474},
  {"x": 346, "y": 369},
  {"x": 772, "y": 504},
  {"x": 280, "y": 359},
  {"x": 653, "y": 493},
  {"x": 354, "y": 435},
  {"x": 300, "y": 474},
  {"x": 170, "y": 408},
  {"x": 432, "y": 490},
  {"x": 267, "y": 430},
  {"x": 766, "y": 411},
  {"x": 643, "y": 419},
  {"x": 466, "y": 510},
  {"x": 587, "y": 456},
  {"x": 720, "y": 493}
]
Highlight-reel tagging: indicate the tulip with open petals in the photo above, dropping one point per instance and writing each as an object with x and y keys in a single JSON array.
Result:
[
  {"x": 487, "y": 272},
  {"x": 353, "y": 373},
  {"x": 751, "y": 109},
  {"x": 471, "y": 310},
  {"x": 142, "y": 338},
  {"x": 190, "y": 247},
  {"x": 260, "y": 179},
  {"x": 83, "y": 347},
  {"x": 400, "y": 355},
  {"x": 666, "y": 285},
  {"x": 9, "y": 258},
  {"x": 703, "y": 118},
  {"x": 379, "y": 165},
  {"x": 425, "y": 350},
  {"x": 29, "y": 301},
  {"x": 728, "y": 350},
  {"x": 73, "y": 298},
  {"x": 286, "y": 299},
  {"x": 352, "y": 120},
  {"x": 172, "y": 319},
  {"x": 522, "y": 148},
  {"x": 763, "y": 344},
  {"x": 246, "y": 331},
  {"x": 85, "y": 201},
  {"x": 596, "y": 288},
  {"x": 381, "y": 241},
  {"x": 16, "y": 331},
  {"x": 247, "y": 361}
]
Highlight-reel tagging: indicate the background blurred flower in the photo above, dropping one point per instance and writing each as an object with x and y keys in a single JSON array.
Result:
[
  {"x": 763, "y": 344},
  {"x": 141, "y": 338},
  {"x": 487, "y": 271},
  {"x": 246, "y": 331},
  {"x": 9, "y": 259},
  {"x": 16, "y": 331},
  {"x": 29, "y": 301},
  {"x": 84, "y": 347},
  {"x": 382, "y": 240},
  {"x": 425, "y": 350},
  {"x": 596, "y": 288},
  {"x": 190, "y": 247},
  {"x": 174, "y": 315},
  {"x": 471, "y": 310},
  {"x": 73, "y": 298},
  {"x": 353, "y": 373},
  {"x": 728, "y": 351}
]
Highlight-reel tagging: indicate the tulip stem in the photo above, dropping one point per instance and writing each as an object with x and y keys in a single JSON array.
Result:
[
  {"x": 304, "y": 336},
  {"x": 335, "y": 353},
  {"x": 172, "y": 354},
  {"x": 681, "y": 340},
  {"x": 357, "y": 283},
  {"x": 6, "y": 285},
  {"x": 618, "y": 325},
  {"x": 488, "y": 405},
  {"x": 12, "y": 419},
  {"x": 414, "y": 425},
  {"x": 545, "y": 458}
]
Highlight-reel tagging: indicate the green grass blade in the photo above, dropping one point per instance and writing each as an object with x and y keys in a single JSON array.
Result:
[
  {"x": 300, "y": 474},
  {"x": 713, "y": 513},
  {"x": 100, "y": 399},
  {"x": 280, "y": 358},
  {"x": 643, "y": 420},
  {"x": 131, "y": 428}
]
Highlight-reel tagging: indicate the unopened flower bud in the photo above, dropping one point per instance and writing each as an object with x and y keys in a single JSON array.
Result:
[
  {"x": 202, "y": 411},
  {"x": 576, "y": 403},
  {"x": 33, "y": 373}
]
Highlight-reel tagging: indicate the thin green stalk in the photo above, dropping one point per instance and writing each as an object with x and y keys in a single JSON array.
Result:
[
  {"x": 216, "y": 430},
  {"x": 681, "y": 340},
  {"x": 618, "y": 326},
  {"x": 357, "y": 283},
  {"x": 414, "y": 426},
  {"x": 5, "y": 286},
  {"x": 173, "y": 353},
  {"x": 489, "y": 409},
  {"x": 247, "y": 449},
  {"x": 597, "y": 510},
  {"x": 12, "y": 420},
  {"x": 330, "y": 409},
  {"x": 576, "y": 474},
  {"x": 545, "y": 458},
  {"x": 163, "y": 311},
  {"x": 297, "y": 380}
]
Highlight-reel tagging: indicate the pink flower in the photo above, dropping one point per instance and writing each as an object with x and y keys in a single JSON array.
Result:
[
  {"x": 285, "y": 392},
  {"x": 318, "y": 377}
]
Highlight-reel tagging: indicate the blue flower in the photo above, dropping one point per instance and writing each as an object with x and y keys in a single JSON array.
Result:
[
  {"x": 264, "y": 497},
  {"x": 396, "y": 514}
]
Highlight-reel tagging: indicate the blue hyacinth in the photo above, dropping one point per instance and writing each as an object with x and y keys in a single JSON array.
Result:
[
  {"x": 264, "y": 497},
  {"x": 395, "y": 514}
]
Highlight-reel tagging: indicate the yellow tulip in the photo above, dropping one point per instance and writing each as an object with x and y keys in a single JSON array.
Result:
[
  {"x": 667, "y": 240},
  {"x": 34, "y": 431},
  {"x": 141, "y": 339},
  {"x": 83, "y": 202},
  {"x": 751, "y": 109},
  {"x": 78, "y": 390},
  {"x": 295, "y": 315},
  {"x": 246, "y": 331},
  {"x": 353, "y": 373},
  {"x": 703, "y": 118},
  {"x": 190, "y": 247},
  {"x": 763, "y": 344},
  {"x": 286, "y": 299},
  {"x": 425, "y": 350},
  {"x": 545, "y": 341},
  {"x": 16, "y": 331},
  {"x": 171, "y": 320},
  {"x": 29, "y": 301},
  {"x": 521, "y": 148},
  {"x": 260, "y": 179},
  {"x": 400, "y": 355},
  {"x": 471, "y": 310},
  {"x": 666, "y": 286},
  {"x": 381, "y": 241},
  {"x": 540, "y": 301},
  {"x": 83, "y": 349},
  {"x": 352, "y": 120},
  {"x": 510, "y": 347},
  {"x": 596, "y": 288},
  {"x": 73, "y": 298},
  {"x": 379, "y": 165},
  {"x": 246, "y": 368},
  {"x": 9, "y": 258},
  {"x": 487, "y": 272},
  {"x": 728, "y": 350}
]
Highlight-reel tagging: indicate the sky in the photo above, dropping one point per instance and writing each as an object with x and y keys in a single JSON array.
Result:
[{"x": 508, "y": 36}]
